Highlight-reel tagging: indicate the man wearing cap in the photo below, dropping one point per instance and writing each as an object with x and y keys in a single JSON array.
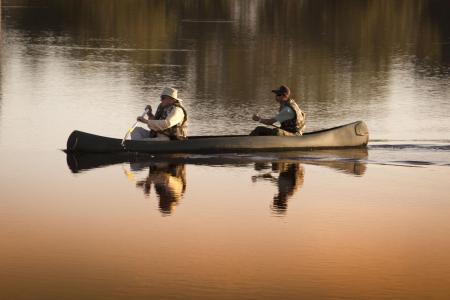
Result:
[
  {"x": 290, "y": 116},
  {"x": 169, "y": 121}
]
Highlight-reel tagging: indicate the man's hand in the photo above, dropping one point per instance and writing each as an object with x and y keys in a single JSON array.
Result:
[
  {"x": 256, "y": 117},
  {"x": 142, "y": 119},
  {"x": 149, "y": 110}
]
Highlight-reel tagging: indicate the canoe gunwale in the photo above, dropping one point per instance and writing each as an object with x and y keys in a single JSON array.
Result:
[{"x": 246, "y": 135}]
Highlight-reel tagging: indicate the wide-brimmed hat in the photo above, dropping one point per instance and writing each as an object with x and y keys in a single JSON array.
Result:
[
  {"x": 282, "y": 90},
  {"x": 171, "y": 92}
]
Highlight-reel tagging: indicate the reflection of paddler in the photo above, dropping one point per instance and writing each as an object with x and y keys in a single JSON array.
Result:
[
  {"x": 169, "y": 181},
  {"x": 290, "y": 179}
]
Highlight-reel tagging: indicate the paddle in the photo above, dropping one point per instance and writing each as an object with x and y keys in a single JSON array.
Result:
[{"x": 130, "y": 130}]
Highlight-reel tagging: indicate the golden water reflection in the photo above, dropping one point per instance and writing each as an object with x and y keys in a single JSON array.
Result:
[{"x": 346, "y": 234}]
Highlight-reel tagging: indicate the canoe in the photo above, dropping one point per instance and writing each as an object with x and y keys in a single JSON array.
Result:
[{"x": 351, "y": 135}]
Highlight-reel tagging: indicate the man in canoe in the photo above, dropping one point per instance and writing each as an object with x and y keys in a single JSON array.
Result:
[
  {"x": 290, "y": 116},
  {"x": 169, "y": 121}
]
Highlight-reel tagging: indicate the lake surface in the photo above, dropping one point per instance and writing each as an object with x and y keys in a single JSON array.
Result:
[{"x": 350, "y": 224}]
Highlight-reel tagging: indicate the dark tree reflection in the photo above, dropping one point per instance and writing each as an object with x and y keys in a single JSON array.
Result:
[{"x": 316, "y": 42}]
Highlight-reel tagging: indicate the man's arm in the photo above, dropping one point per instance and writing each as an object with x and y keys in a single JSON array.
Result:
[
  {"x": 257, "y": 118},
  {"x": 285, "y": 114}
]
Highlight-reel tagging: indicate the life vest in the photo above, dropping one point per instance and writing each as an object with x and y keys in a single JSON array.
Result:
[
  {"x": 297, "y": 124},
  {"x": 177, "y": 132}
]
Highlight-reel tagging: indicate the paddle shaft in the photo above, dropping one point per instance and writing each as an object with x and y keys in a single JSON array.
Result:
[{"x": 130, "y": 130}]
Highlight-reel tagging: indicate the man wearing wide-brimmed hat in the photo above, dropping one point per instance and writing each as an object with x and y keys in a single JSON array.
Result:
[
  {"x": 169, "y": 121},
  {"x": 290, "y": 116}
]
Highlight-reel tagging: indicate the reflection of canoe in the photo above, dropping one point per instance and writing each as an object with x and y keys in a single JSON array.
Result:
[
  {"x": 350, "y": 161},
  {"x": 346, "y": 136}
]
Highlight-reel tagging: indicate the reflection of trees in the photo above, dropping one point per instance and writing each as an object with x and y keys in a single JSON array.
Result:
[
  {"x": 324, "y": 50},
  {"x": 315, "y": 42},
  {"x": 289, "y": 180},
  {"x": 169, "y": 181}
]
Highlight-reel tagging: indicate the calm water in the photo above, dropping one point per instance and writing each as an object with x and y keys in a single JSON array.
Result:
[{"x": 361, "y": 224}]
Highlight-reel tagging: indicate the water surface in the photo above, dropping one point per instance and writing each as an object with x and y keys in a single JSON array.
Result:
[{"x": 369, "y": 223}]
